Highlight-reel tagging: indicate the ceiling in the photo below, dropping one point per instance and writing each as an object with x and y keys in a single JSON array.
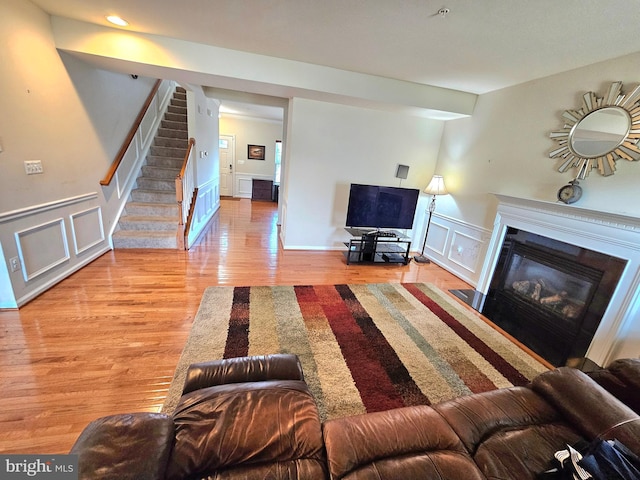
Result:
[
  {"x": 242, "y": 109},
  {"x": 478, "y": 46}
]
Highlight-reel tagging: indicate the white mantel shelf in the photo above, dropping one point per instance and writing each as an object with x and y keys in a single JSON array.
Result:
[
  {"x": 614, "y": 220},
  {"x": 617, "y": 235}
]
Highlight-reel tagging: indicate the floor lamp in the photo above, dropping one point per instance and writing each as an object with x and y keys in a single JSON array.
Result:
[{"x": 435, "y": 187}]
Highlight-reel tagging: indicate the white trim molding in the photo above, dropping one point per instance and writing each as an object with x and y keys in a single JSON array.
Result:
[{"x": 45, "y": 207}]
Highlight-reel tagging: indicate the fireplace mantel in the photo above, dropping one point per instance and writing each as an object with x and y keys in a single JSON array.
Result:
[{"x": 618, "y": 235}]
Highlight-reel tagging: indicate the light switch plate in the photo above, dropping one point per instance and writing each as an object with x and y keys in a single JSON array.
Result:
[
  {"x": 15, "y": 264},
  {"x": 33, "y": 167}
]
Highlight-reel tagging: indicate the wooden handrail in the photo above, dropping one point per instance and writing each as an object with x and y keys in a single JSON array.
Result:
[
  {"x": 192, "y": 142},
  {"x": 132, "y": 133}
]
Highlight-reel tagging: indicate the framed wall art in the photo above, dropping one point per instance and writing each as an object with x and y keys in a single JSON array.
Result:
[{"x": 255, "y": 152}]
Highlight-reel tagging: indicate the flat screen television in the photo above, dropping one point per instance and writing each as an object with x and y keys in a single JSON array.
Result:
[{"x": 376, "y": 207}]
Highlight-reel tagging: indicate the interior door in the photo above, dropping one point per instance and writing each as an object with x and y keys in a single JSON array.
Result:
[{"x": 227, "y": 163}]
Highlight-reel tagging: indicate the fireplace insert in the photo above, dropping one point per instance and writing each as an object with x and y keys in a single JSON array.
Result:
[{"x": 550, "y": 295}]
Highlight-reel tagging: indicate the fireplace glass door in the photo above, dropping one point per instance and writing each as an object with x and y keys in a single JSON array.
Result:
[{"x": 549, "y": 289}]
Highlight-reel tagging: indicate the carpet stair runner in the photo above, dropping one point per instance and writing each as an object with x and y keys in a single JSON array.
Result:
[{"x": 150, "y": 217}]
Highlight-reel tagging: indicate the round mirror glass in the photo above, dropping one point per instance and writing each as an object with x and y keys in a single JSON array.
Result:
[{"x": 600, "y": 132}]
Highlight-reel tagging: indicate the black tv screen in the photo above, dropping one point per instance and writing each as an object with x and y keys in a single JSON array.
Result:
[{"x": 372, "y": 206}]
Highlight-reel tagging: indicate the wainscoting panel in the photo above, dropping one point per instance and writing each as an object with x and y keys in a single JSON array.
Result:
[
  {"x": 129, "y": 166},
  {"x": 457, "y": 246},
  {"x": 87, "y": 229},
  {"x": 283, "y": 221},
  {"x": 148, "y": 122},
  {"x": 40, "y": 237},
  {"x": 41, "y": 248},
  {"x": 244, "y": 186},
  {"x": 207, "y": 204},
  {"x": 465, "y": 250},
  {"x": 438, "y": 237}
]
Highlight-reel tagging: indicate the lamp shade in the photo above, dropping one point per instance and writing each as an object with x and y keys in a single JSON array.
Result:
[{"x": 436, "y": 186}]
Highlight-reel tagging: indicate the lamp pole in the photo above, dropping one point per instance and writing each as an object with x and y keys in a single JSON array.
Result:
[{"x": 436, "y": 187}]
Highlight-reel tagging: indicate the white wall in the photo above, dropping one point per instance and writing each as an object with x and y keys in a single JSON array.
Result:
[
  {"x": 203, "y": 127},
  {"x": 253, "y": 131},
  {"x": 56, "y": 109},
  {"x": 331, "y": 146},
  {"x": 504, "y": 146}
]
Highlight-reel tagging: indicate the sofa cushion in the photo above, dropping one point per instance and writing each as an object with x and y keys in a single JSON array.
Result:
[
  {"x": 132, "y": 446},
  {"x": 410, "y": 442},
  {"x": 248, "y": 427},
  {"x": 510, "y": 433}
]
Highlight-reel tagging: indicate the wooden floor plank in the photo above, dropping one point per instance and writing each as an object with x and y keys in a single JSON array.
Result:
[{"x": 107, "y": 339}]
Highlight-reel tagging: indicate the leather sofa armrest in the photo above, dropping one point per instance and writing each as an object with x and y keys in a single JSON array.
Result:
[
  {"x": 243, "y": 369},
  {"x": 409, "y": 442},
  {"x": 628, "y": 371},
  {"x": 125, "y": 447},
  {"x": 622, "y": 379},
  {"x": 588, "y": 407}
]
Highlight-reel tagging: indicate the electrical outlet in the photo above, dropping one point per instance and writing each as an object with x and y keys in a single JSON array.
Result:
[
  {"x": 15, "y": 264},
  {"x": 33, "y": 167}
]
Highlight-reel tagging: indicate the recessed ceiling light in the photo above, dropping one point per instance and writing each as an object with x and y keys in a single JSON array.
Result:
[{"x": 116, "y": 20}]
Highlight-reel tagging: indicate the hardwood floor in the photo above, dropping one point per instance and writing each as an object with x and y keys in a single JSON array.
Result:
[{"x": 107, "y": 339}]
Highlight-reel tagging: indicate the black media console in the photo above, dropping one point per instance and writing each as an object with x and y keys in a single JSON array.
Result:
[{"x": 367, "y": 246}]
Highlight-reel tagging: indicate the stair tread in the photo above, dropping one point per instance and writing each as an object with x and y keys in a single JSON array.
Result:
[
  {"x": 174, "y": 139},
  {"x": 144, "y": 233},
  {"x": 135, "y": 203},
  {"x": 162, "y": 167},
  {"x": 153, "y": 190},
  {"x": 162, "y": 179},
  {"x": 171, "y": 218}
]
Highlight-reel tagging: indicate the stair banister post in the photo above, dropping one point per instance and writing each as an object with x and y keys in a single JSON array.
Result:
[{"x": 179, "y": 199}]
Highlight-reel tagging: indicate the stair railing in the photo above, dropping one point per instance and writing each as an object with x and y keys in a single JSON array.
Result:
[
  {"x": 185, "y": 186},
  {"x": 132, "y": 133}
]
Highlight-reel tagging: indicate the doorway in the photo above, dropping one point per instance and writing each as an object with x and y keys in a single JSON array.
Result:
[{"x": 227, "y": 148}]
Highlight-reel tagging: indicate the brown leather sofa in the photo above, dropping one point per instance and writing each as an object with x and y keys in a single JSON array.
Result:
[{"x": 254, "y": 417}]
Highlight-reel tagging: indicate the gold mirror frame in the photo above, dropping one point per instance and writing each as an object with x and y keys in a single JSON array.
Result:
[{"x": 627, "y": 149}]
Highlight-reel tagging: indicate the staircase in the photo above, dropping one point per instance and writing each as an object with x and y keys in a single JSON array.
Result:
[{"x": 150, "y": 217}]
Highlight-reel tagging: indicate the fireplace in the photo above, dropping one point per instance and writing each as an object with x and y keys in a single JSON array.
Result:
[
  {"x": 589, "y": 263},
  {"x": 550, "y": 295}
]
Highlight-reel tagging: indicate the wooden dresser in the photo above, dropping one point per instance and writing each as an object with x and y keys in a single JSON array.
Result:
[{"x": 262, "y": 190}]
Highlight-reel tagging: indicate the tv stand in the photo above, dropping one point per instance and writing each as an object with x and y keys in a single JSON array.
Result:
[{"x": 374, "y": 246}]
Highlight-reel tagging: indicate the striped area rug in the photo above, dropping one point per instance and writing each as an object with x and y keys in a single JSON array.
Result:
[{"x": 363, "y": 348}]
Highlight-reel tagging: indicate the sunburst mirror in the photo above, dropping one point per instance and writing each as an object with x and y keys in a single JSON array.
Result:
[{"x": 602, "y": 132}]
